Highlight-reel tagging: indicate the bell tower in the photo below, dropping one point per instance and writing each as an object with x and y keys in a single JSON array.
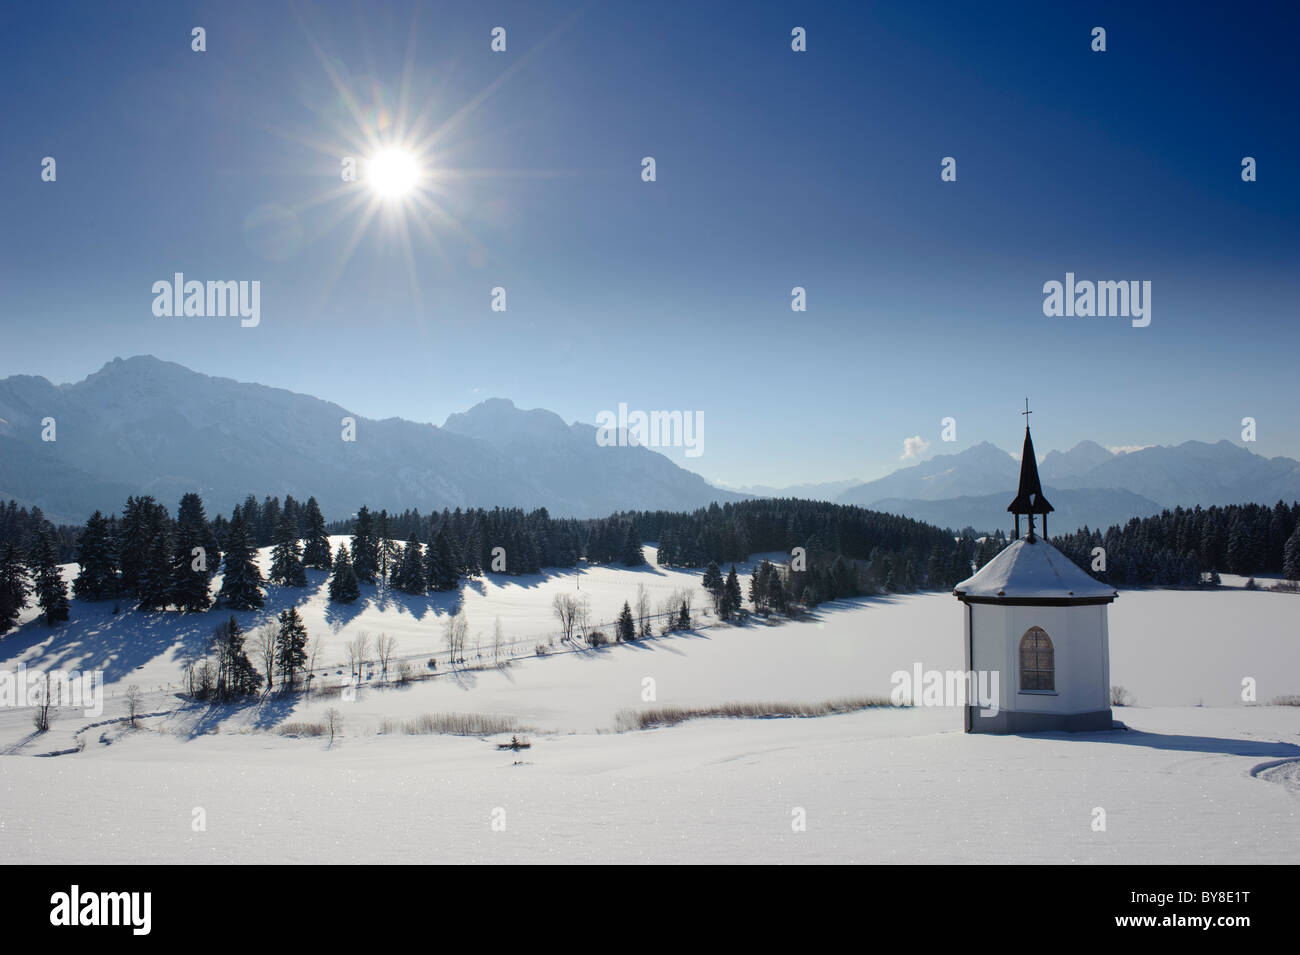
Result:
[{"x": 1029, "y": 499}]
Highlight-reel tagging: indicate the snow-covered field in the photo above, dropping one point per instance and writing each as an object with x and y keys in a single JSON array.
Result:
[{"x": 1200, "y": 777}]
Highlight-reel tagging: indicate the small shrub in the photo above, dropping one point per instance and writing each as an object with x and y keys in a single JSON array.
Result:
[
  {"x": 1288, "y": 700},
  {"x": 302, "y": 729},
  {"x": 1251, "y": 585},
  {"x": 453, "y": 724},
  {"x": 672, "y": 715},
  {"x": 1121, "y": 697},
  {"x": 597, "y": 638}
]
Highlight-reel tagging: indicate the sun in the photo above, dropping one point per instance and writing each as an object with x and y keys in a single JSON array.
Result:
[{"x": 393, "y": 173}]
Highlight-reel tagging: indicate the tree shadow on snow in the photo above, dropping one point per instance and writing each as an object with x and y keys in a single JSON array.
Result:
[
  {"x": 274, "y": 708},
  {"x": 419, "y": 606},
  {"x": 338, "y": 616},
  {"x": 98, "y": 639},
  {"x": 526, "y": 581}
]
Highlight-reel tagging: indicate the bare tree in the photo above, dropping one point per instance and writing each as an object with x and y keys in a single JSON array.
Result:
[
  {"x": 44, "y": 700},
  {"x": 385, "y": 646},
  {"x": 642, "y": 610},
  {"x": 582, "y": 616},
  {"x": 333, "y": 722},
  {"x": 207, "y": 677},
  {"x": 678, "y": 603},
  {"x": 264, "y": 643},
  {"x": 566, "y": 611},
  {"x": 667, "y": 611},
  {"x": 358, "y": 650},
  {"x": 134, "y": 697},
  {"x": 201, "y": 677},
  {"x": 497, "y": 640},
  {"x": 314, "y": 647},
  {"x": 454, "y": 631}
]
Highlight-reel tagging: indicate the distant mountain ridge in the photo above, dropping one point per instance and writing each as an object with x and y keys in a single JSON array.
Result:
[
  {"x": 813, "y": 491},
  {"x": 142, "y": 425},
  {"x": 1089, "y": 507},
  {"x": 1087, "y": 484}
]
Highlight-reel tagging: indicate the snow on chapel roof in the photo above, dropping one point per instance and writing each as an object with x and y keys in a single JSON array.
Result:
[{"x": 1032, "y": 569}]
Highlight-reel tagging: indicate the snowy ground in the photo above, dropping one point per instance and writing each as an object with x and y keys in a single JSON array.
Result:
[{"x": 1201, "y": 777}]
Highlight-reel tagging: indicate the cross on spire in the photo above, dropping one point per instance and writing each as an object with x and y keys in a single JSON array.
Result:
[{"x": 1029, "y": 498}]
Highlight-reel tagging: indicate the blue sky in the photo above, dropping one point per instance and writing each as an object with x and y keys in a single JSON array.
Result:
[{"x": 775, "y": 169}]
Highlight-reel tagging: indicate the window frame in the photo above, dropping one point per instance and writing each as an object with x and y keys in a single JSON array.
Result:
[{"x": 1036, "y": 678}]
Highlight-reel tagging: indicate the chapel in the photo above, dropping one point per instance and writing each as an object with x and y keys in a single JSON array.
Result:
[{"x": 1039, "y": 622}]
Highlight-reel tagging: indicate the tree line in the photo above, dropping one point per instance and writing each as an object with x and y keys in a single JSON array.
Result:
[
  {"x": 844, "y": 551},
  {"x": 835, "y": 550},
  {"x": 1182, "y": 546},
  {"x": 159, "y": 562}
]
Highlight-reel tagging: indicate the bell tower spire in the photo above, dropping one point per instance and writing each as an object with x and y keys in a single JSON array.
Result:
[{"x": 1029, "y": 499}]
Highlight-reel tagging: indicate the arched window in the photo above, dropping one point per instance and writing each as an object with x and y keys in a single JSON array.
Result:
[{"x": 1037, "y": 663}]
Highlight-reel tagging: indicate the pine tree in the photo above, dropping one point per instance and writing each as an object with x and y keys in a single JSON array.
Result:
[
  {"x": 1291, "y": 556},
  {"x": 97, "y": 578},
  {"x": 154, "y": 583},
  {"x": 846, "y": 577},
  {"x": 316, "y": 553},
  {"x": 132, "y": 542},
  {"x": 776, "y": 594},
  {"x": 712, "y": 581},
  {"x": 51, "y": 590},
  {"x": 195, "y": 547},
  {"x": 290, "y": 645},
  {"x": 387, "y": 550},
  {"x": 731, "y": 592},
  {"x": 633, "y": 554},
  {"x": 268, "y": 521},
  {"x": 286, "y": 556},
  {"x": 14, "y": 587},
  {"x": 666, "y": 555},
  {"x": 236, "y": 676},
  {"x": 626, "y": 625},
  {"x": 440, "y": 563},
  {"x": 410, "y": 572},
  {"x": 766, "y": 572},
  {"x": 1241, "y": 546},
  {"x": 241, "y": 584},
  {"x": 365, "y": 547},
  {"x": 343, "y": 581},
  {"x": 144, "y": 551}
]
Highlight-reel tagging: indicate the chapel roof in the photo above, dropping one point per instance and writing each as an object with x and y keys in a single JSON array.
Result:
[{"x": 1031, "y": 569}]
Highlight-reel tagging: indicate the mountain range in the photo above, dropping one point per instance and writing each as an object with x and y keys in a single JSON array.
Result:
[
  {"x": 142, "y": 425},
  {"x": 1086, "y": 485},
  {"x": 145, "y": 426}
]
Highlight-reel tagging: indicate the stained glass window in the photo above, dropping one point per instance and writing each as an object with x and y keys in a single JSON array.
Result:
[{"x": 1037, "y": 664}]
